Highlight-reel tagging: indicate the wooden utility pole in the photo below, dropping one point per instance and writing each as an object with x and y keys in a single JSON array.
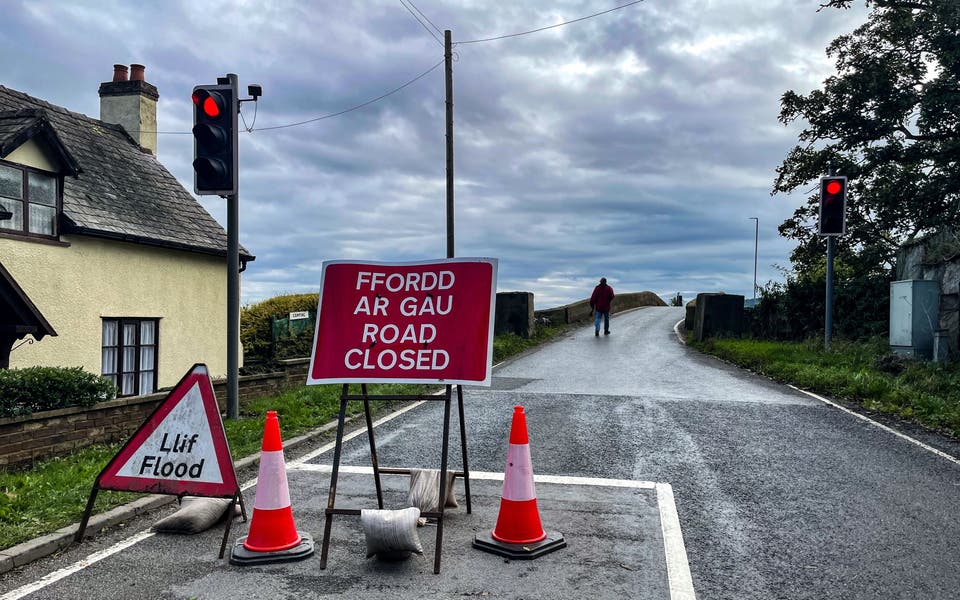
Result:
[{"x": 448, "y": 60}]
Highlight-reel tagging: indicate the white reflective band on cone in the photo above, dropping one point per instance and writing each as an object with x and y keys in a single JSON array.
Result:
[
  {"x": 272, "y": 492},
  {"x": 518, "y": 476}
]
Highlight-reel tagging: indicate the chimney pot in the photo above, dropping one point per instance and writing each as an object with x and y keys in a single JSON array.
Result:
[
  {"x": 136, "y": 72},
  {"x": 119, "y": 72}
]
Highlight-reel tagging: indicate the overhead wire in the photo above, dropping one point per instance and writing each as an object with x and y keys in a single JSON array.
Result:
[
  {"x": 424, "y": 16},
  {"x": 358, "y": 106},
  {"x": 251, "y": 128},
  {"x": 510, "y": 35},
  {"x": 422, "y": 24}
]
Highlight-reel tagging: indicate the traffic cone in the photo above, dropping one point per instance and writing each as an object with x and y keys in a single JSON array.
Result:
[
  {"x": 273, "y": 536},
  {"x": 519, "y": 533}
]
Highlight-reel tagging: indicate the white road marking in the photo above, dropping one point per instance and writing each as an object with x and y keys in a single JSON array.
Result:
[
  {"x": 678, "y": 569},
  {"x": 293, "y": 464},
  {"x": 676, "y": 330},
  {"x": 903, "y": 436},
  {"x": 130, "y": 541},
  {"x": 59, "y": 574},
  {"x": 491, "y": 476}
]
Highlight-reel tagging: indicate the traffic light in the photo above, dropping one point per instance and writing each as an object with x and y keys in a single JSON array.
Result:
[
  {"x": 215, "y": 140},
  {"x": 833, "y": 205}
]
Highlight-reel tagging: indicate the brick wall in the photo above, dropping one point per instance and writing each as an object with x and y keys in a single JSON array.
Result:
[{"x": 42, "y": 435}]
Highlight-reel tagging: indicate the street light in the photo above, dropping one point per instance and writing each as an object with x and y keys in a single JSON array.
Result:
[{"x": 756, "y": 240}]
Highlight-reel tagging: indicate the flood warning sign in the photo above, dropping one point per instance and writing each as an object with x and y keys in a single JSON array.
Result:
[{"x": 180, "y": 449}]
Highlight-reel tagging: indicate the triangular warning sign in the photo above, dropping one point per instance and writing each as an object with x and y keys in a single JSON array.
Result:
[{"x": 180, "y": 449}]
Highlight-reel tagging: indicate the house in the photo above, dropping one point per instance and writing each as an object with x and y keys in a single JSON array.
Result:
[{"x": 106, "y": 261}]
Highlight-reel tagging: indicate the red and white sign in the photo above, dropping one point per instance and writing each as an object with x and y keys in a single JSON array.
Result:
[
  {"x": 180, "y": 449},
  {"x": 421, "y": 322}
]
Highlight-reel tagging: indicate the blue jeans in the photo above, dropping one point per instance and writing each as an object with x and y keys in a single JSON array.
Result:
[{"x": 606, "y": 320}]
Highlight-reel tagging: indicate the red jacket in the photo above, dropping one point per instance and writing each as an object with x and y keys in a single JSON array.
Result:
[{"x": 601, "y": 297}]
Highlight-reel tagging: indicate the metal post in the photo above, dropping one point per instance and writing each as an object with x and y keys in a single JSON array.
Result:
[
  {"x": 233, "y": 309},
  {"x": 828, "y": 300},
  {"x": 828, "y": 320},
  {"x": 448, "y": 56},
  {"x": 756, "y": 242},
  {"x": 233, "y": 293}
]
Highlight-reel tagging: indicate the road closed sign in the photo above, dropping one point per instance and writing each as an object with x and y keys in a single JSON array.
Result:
[{"x": 421, "y": 322}]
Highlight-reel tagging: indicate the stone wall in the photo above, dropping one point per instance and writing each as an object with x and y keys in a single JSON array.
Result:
[
  {"x": 937, "y": 258},
  {"x": 42, "y": 435},
  {"x": 717, "y": 315},
  {"x": 514, "y": 314},
  {"x": 579, "y": 311}
]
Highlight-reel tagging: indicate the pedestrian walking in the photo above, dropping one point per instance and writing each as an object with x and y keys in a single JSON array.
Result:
[{"x": 600, "y": 305}]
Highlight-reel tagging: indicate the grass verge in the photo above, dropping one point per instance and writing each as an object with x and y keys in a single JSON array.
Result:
[
  {"x": 861, "y": 372},
  {"x": 54, "y": 493}
]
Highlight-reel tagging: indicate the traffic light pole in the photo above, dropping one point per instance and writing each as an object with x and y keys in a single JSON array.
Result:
[
  {"x": 828, "y": 317},
  {"x": 233, "y": 307},
  {"x": 828, "y": 301},
  {"x": 233, "y": 292}
]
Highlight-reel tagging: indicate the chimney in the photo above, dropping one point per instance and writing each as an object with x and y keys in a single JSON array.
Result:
[{"x": 131, "y": 104}]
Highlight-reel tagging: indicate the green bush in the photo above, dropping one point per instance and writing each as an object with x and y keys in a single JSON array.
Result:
[
  {"x": 255, "y": 334},
  {"x": 24, "y": 391},
  {"x": 795, "y": 310}
]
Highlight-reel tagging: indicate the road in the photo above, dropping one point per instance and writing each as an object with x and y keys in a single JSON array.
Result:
[{"x": 668, "y": 472}]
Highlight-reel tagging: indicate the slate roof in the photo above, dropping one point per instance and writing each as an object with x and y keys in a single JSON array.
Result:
[{"x": 121, "y": 191}]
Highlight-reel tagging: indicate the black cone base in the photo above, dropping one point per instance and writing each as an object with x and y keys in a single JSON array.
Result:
[
  {"x": 553, "y": 541},
  {"x": 243, "y": 557}
]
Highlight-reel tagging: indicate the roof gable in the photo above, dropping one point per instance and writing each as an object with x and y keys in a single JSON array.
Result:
[
  {"x": 122, "y": 192},
  {"x": 21, "y": 314},
  {"x": 17, "y": 127}
]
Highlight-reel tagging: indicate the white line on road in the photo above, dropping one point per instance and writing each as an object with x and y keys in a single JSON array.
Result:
[
  {"x": 904, "y": 436},
  {"x": 676, "y": 330},
  {"x": 490, "y": 476},
  {"x": 293, "y": 464},
  {"x": 130, "y": 541},
  {"x": 59, "y": 574},
  {"x": 678, "y": 569}
]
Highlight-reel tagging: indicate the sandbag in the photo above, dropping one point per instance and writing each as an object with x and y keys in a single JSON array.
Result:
[
  {"x": 195, "y": 515},
  {"x": 425, "y": 490},
  {"x": 391, "y": 534}
]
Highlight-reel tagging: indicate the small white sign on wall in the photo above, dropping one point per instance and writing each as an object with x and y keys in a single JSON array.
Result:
[{"x": 300, "y": 314}]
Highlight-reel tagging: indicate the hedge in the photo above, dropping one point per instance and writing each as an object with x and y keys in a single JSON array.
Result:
[
  {"x": 255, "y": 333},
  {"x": 33, "y": 389}
]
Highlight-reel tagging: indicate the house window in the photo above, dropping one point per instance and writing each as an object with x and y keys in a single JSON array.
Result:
[
  {"x": 129, "y": 353},
  {"x": 33, "y": 197}
]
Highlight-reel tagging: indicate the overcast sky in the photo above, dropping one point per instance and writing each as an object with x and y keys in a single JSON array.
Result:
[{"x": 634, "y": 145}]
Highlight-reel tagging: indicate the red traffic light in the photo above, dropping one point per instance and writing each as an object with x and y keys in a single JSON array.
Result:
[
  {"x": 210, "y": 102},
  {"x": 833, "y": 191}
]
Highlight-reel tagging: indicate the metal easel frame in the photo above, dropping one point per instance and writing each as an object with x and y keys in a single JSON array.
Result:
[{"x": 377, "y": 470}]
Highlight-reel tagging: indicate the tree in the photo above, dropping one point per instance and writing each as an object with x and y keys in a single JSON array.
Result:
[{"x": 889, "y": 119}]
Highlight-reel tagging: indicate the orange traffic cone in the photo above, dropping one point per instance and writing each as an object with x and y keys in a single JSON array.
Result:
[
  {"x": 273, "y": 535},
  {"x": 519, "y": 533}
]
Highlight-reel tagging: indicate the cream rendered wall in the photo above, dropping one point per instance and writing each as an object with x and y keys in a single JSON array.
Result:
[
  {"x": 33, "y": 155},
  {"x": 75, "y": 286}
]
